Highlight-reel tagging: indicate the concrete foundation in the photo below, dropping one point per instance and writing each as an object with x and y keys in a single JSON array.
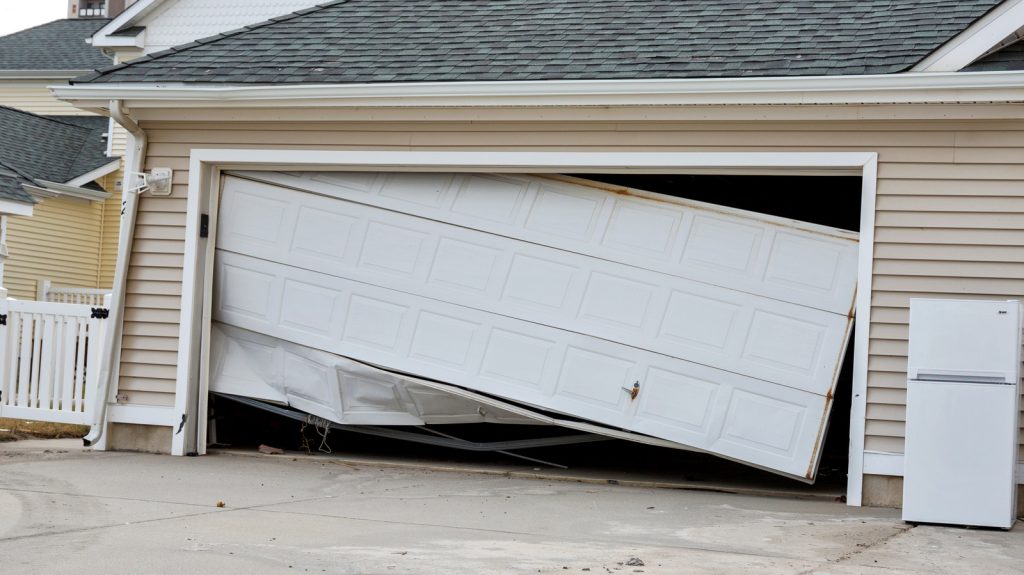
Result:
[{"x": 143, "y": 438}]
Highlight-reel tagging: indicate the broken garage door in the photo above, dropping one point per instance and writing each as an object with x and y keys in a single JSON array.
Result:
[{"x": 715, "y": 328}]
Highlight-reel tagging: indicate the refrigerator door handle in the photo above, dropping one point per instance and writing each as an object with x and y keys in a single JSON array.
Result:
[{"x": 952, "y": 375}]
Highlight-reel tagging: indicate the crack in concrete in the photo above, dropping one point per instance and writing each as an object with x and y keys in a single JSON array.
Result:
[
  {"x": 153, "y": 520},
  {"x": 900, "y": 530}
]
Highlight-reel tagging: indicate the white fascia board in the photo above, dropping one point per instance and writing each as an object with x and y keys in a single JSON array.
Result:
[
  {"x": 135, "y": 12},
  {"x": 120, "y": 41},
  {"x": 867, "y": 89},
  {"x": 976, "y": 40},
  {"x": 95, "y": 174},
  {"x": 13, "y": 208}
]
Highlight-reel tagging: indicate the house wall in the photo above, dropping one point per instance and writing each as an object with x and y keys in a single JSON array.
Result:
[
  {"x": 36, "y": 98},
  {"x": 69, "y": 241},
  {"x": 59, "y": 242},
  {"x": 183, "y": 21},
  {"x": 949, "y": 220}
]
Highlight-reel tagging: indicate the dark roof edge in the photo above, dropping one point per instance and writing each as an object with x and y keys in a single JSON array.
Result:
[{"x": 49, "y": 118}]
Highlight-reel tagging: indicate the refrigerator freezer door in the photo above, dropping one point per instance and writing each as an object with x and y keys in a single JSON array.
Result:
[
  {"x": 961, "y": 449},
  {"x": 964, "y": 340}
]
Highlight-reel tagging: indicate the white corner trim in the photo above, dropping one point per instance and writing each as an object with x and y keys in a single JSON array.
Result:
[
  {"x": 881, "y": 463},
  {"x": 206, "y": 164},
  {"x": 140, "y": 415},
  {"x": 867, "y": 89},
  {"x": 891, "y": 465},
  {"x": 103, "y": 38},
  {"x": 976, "y": 40},
  {"x": 12, "y": 208},
  {"x": 96, "y": 174},
  {"x": 862, "y": 339}
]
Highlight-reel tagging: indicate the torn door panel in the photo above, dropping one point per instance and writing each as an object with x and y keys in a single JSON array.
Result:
[
  {"x": 251, "y": 365},
  {"x": 333, "y": 387}
]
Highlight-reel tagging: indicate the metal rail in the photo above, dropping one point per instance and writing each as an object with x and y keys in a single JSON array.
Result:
[{"x": 438, "y": 440}]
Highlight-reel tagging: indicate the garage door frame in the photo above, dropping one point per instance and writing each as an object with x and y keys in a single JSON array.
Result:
[{"x": 207, "y": 165}]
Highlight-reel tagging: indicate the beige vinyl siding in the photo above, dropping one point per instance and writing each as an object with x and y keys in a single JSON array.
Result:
[
  {"x": 110, "y": 229},
  {"x": 119, "y": 140},
  {"x": 59, "y": 242},
  {"x": 69, "y": 241},
  {"x": 38, "y": 100},
  {"x": 950, "y": 214}
]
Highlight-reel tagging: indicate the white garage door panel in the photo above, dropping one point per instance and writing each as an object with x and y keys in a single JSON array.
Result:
[
  {"x": 761, "y": 255},
  {"x": 757, "y": 336},
  {"x": 332, "y": 387},
  {"x": 739, "y": 417}
]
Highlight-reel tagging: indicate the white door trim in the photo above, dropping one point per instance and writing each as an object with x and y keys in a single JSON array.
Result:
[{"x": 206, "y": 165}]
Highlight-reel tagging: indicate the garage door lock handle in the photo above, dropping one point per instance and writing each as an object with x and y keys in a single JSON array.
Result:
[{"x": 633, "y": 391}]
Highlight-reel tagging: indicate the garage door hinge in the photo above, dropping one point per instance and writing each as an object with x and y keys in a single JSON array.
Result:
[{"x": 204, "y": 226}]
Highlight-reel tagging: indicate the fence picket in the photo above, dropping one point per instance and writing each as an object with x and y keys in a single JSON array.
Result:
[
  {"x": 67, "y": 358},
  {"x": 46, "y": 360},
  {"x": 25, "y": 361},
  {"x": 11, "y": 361}
]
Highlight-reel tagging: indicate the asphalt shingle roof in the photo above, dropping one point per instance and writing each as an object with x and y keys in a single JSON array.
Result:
[
  {"x": 1009, "y": 58},
  {"x": 51, "y": 148},
  {"x": 59, "y": 45},
  {"x": 369, "y": 41}
]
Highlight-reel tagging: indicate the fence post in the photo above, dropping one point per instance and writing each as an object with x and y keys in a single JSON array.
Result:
[
  {"x": 43, "y": 290},
  {"x": 97, "y": 335},
  {"x": 6, "y": 388}
]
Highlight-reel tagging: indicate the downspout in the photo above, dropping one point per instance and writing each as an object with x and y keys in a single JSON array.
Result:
[{"x": 110, "y": 352}]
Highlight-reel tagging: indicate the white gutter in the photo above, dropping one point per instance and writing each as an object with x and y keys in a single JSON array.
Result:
[
  {"x": 111, "y": 351},
  {"x": 55, "y": 189},
  {"x": 907, "y": 88}
]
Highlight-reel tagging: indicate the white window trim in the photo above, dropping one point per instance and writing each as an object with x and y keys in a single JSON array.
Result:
[
  {"x": 206, "y": 166},
  {"x": 976, "y": 40}
]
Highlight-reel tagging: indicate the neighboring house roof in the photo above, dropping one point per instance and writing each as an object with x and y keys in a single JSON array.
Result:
[
  {"x": 40, "y": 150},
  {"x": 154, "y": 25},
  {"x": 57, "y": 46},
  {"x": 1009, "y": 58},
  {"x": 373, "y": 41}
]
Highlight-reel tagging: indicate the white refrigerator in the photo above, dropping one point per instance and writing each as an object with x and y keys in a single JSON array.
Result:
[{"x": 963, "y": 402}]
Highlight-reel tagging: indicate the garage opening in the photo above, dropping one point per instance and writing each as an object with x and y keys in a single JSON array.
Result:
[{"x": 403, "y": 222}]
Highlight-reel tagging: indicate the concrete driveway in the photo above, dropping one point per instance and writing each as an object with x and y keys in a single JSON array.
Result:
[{"x": 68, "y": 510}]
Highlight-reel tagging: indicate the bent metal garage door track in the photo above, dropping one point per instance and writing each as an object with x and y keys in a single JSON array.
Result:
[{"x": 718, "y": 329}]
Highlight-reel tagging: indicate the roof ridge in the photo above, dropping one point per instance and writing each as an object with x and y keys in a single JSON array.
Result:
[
  {"x": 47, "y": 118},
  {"x": 208, "y": 40},
  {"x": 17, "y": 171},
  {"x": 51, "y": 22}
]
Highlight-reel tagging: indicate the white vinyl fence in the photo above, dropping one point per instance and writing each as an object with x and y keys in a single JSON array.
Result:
[
  {"x": 48, "y": 292},
  {"x": 50, "y": 359}
]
